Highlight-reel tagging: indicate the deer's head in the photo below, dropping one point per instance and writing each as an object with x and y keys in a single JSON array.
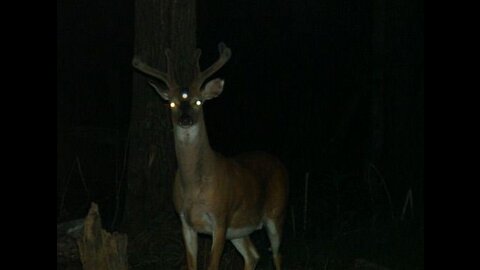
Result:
[{"x": 186, "y": 100}]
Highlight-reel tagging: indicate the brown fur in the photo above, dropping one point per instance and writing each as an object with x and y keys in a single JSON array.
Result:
[{"x": 215, "y": 194}]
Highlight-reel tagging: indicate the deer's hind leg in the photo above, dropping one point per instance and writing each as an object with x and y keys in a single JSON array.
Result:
[
  {"x": 274, "y": 227},
  {"x": 248, "y": 252}
]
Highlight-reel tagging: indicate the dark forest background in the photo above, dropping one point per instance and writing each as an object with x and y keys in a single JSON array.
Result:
[{"x": 333, "y": 88}]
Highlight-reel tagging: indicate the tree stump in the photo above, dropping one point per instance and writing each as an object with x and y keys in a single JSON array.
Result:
[{"x": 101, "y": 250}]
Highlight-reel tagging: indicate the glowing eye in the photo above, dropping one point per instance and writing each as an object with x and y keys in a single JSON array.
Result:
[
  {"x": 184, "y": 95},
  {"x": 198, "y": 102},
  {"x": 172, "y": 104}
]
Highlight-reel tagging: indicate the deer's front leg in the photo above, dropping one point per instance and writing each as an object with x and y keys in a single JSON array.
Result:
[
  {"x": 190, "y": 238},
  {"x": 218, "y": 243}
]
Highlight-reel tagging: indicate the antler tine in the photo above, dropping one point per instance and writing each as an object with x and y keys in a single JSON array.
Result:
[
  {"x": 225, "y": 54},
  {"x": 197, "y": 54},
  {"x": 167, "y": 78}
]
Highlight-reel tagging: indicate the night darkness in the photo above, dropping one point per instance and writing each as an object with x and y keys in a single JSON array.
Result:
[{"x": 298, "y": 85}]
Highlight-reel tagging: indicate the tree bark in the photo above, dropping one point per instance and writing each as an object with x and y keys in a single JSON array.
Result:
[
  {"x": 377, "y": 87},
  {"x": 100, "y": 249},
  {"x": 159, "y": 24}
]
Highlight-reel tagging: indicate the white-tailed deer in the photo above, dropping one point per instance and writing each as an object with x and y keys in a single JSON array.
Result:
[{"x": 228, "y": 198}]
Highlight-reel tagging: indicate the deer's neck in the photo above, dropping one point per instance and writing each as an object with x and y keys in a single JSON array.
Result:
[{"x": 195, "y": 157}]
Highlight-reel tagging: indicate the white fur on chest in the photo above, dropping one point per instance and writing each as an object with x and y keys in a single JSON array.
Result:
[{"x": 186, "y": 135}]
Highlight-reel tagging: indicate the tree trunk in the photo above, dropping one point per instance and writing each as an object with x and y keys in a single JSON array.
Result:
[
  {"x": 377, "y": 87},
  {"x": 159, "y": 24}
]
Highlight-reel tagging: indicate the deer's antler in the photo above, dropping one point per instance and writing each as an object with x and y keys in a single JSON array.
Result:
[
  {"x": 201, "y": 76},
  {"x": 167, "y": 77}
]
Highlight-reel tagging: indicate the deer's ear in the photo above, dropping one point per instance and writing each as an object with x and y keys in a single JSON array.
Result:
[
  {"x": 161, "y": 91},
  {"x": 212, "y": 89}
]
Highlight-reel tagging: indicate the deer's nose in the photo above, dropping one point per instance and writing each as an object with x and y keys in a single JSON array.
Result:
[{"x": 185, "y": 120}]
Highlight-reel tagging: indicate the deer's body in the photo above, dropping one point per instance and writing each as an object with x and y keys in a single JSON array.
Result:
[
  {"x": 228, "y": 198},
  {"x": 228, "y": 189}
]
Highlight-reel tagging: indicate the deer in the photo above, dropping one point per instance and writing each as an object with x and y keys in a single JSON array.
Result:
[{"x": 226, "y": 197}]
